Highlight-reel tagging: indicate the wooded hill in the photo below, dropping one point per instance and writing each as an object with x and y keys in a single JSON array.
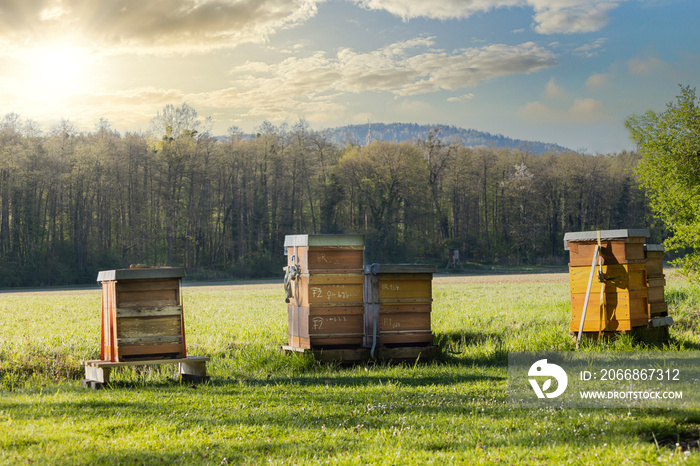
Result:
[
  {"x": 72, "y": 203},
  {"x": 409, "y": 132}
]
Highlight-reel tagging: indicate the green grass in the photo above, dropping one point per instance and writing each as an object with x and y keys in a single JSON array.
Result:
[{"x": 263, "y": 407}]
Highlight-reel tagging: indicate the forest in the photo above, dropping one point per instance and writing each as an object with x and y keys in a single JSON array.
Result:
[{"x": 73, "y": 202}]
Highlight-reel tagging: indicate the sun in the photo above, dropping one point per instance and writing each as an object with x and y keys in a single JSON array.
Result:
[{"x": 56, "y": 71}]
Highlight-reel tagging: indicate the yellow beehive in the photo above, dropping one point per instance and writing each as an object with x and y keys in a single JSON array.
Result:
[
  {"x": 624, "y": 289},
  {"x": 326, "y": 307},
  {"x": 398, "y": 304}
]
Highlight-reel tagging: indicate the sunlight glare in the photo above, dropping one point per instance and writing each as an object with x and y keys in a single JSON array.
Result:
[{"x": 57, "y": 71}]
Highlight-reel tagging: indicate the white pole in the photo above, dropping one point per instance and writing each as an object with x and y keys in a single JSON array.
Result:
[{"x": 588, "y": 294}]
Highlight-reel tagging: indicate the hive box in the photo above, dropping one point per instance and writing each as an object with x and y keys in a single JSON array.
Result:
[
  {"x": 656, "y": 280},
  {"x": 326, "y": 308},
  {"x": 654, "y": 256},
  {"x": 617, "y": 246},
  {"x": 398, "y": 304},
  {"x": 142, "y": 314},
  {"x": 625, "y": 296}
]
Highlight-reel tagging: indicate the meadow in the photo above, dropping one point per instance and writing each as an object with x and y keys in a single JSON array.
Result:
[{"x": 264, "y": 407}]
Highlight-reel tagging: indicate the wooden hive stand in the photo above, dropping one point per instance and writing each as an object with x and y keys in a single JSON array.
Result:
[{"x": 190, "y": 369}]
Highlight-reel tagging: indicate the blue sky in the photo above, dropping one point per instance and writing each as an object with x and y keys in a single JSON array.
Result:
[{"x": 560, "y": 71}]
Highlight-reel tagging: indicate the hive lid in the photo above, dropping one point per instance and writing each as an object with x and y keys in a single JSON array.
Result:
[
  {"x": 145, "y": 273},
  {"x": 604, "y": 235},
  {"x": 654, "y": 247},
  {"x": 399, "y": 268},
  {"x": 323, "y": 240}
]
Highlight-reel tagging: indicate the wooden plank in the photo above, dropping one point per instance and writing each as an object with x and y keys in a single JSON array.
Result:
[
  {"x": 322, "y": 309},
  {"x": 626, "y": 277},
  {"x": 333, "y": 294},
  {"x": 134, "y": 327},
  {"x": 335, "y": 341},
  {"x": 408, "y": 321},
  {"x": 426, "y": 277},
  {"x": 655, "y": 265},
  {"x": 297, "y": 322},
  {"x": 656, "y": 281},
  {"x": 403, "y": 289},
  {"x": 148, "y": 285},
  {"x": 407, "y": 307},
  {"x": 148, "y": 298},
  {"x": 656, "y": 294},
  {"x": 612, "y": 251},
  {"x": 141, "y": 273},
  {"x": 617, "y": 325},
  {"x": 336, "y": 279},
  {"x": 658, "y": 309},
  {"x": 406, "y": 338},
  {"x": 145, "y": 351},
  {"x": 149, "y": 311},
  {"x": 100, "y": 363},
  {"x": 150, "y": 341},
  {"x": 619, "y": 306},
  {"x": 406, "y": 301},
  {"x": 326, "y": 259},
  {"x": 299, "y": 342},
  {"x": 336, "y": 324}
]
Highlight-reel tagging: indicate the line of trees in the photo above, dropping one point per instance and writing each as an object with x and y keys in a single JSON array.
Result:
[{"x": 72, "y": 203}]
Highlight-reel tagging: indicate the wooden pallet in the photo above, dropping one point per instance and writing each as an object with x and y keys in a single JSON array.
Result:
[
  {"x": 358, "y": 355},
  {"x": 191, "y": 369}
]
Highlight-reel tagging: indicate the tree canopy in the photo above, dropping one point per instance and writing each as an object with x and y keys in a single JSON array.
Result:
[
  {"x": 669, "y": 169},
  {"x": 73, "y": 203}
]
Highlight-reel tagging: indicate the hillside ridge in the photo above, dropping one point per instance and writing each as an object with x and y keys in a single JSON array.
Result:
[{"x": 361, "y": 134}]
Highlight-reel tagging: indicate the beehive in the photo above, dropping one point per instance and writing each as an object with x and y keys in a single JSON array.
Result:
[
  {"x": 656, "y": 280},
  {"x": 326, "y": 307},
  {"x": 625, "y": 292},
  {"x": 142, "y": 314},
  {"x": 398, "y": 304}
]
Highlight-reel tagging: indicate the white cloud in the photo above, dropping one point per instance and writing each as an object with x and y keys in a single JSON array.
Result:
[
  {"x": 403, "y": 69},
  {"x": 580, "y": 111},
  {"x": 437, "y": 9},
  {"x": 599, "y": 81},
  {"x": 462, "y": 98},
  {"x": 587, "y": 110},
  {"x": 571, "y": 16},
  {"x": 590, "y": 49},
  {"x": 642, "y": 67},
  {"x": 149, "y": 26},
  {"x": 316, "y": 86},
  {"x": 550, "y": 16},
  {"x": 553, "y": 91}
]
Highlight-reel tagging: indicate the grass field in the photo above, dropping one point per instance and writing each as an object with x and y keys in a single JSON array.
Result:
[{"x": 263, "y": 407}]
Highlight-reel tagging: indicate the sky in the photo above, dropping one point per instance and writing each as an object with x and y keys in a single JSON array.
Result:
[{"x": 559, "y": 71}]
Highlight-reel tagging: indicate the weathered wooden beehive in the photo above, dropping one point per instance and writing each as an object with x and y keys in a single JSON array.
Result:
[
  {"x": 142, "y": 314},
  {"x": 398, "y": 304},
  {"x": 656, "y": 280},
  {"x": 325, "y": 306},
  {"x": 624, "y": 286}
]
